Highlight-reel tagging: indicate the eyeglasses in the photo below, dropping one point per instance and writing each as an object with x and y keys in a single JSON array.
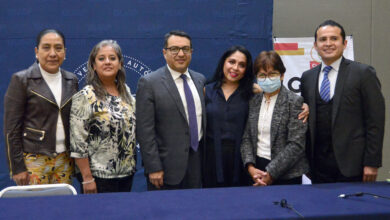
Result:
[
  {"x": 175, "y": 50},
  {"x": 273, "y": 75}
]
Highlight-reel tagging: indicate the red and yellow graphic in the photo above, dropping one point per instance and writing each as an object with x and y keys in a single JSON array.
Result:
[{"x": 288, "y": 49}]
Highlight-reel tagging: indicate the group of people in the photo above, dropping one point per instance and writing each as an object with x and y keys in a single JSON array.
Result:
[{"x": 242, "y": 127}]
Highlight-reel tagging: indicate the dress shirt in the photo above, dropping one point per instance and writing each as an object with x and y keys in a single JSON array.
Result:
[
  {"x": 54, "y": 81},
  {"x": 332, "y": 75},
  {"x": 264, "y": 127},
  {"x": 180, "y": 87}
]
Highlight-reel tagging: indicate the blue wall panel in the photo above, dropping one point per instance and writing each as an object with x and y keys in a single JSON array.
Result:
[{"x": 137, "y": 25}]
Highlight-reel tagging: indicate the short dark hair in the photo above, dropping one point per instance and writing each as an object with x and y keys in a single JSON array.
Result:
[
  {"x": 268, "y": 59},
  {"x": 246, "y": 83},
  {"x": 176, "y": 33},
  {"x": 47, "y": 31},
  {"x": 330, "y": 23}
]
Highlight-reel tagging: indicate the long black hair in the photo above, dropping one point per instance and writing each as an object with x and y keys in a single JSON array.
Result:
[{"x": 246, "y": 83}]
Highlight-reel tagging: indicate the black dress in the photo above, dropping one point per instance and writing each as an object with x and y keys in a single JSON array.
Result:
[{"x": 226, "y": 121}]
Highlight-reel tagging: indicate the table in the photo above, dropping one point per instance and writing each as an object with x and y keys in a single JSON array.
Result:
[{"x": 312, "y": 201}]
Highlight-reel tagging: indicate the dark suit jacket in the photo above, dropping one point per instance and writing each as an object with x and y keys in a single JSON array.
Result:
[
  {"x": 287, "y": 136},
  {"x": 31, "y": 114},
  {"x": 358, "y": 116},
  {"x": 162, "y": 128}
]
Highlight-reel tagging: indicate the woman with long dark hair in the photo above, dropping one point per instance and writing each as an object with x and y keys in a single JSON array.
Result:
[{"x": 227, "y": 97}]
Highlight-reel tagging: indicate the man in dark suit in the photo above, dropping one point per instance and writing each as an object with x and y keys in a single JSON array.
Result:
[
  {"x": 347, "y": 112},
  {"x": 170, "y": 114}
]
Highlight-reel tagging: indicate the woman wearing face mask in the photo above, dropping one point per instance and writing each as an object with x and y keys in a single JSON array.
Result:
[
  {"x": 36, "y": 116},
  {"x": 102, "y": 118},
  {"x": 273, "y": 145}
]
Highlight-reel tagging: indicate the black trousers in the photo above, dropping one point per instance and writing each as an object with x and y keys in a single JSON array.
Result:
[
  {"x": 326, "y": 170},
  {"x": 103, "y": 185},
  {"x": 193, "y": 177},
  {"x": 261, "y": 163}
]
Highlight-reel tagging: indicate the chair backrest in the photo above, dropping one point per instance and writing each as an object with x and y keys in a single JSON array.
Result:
[{"x": 38, "y": 190}]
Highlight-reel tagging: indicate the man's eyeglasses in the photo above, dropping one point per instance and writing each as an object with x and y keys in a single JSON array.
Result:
[
  {"x": 273, "y": 75},
  {"x": 175, "y": 50}
]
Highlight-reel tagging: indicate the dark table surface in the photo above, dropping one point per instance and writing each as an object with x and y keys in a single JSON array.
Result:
[{"x": 312, "y": 201}]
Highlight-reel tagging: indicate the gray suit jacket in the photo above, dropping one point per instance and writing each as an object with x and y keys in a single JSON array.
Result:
[
  {"x": 162, "y": 128},
  {"x": 358, "y": 116},
  {"x": 287, "y": 136}
]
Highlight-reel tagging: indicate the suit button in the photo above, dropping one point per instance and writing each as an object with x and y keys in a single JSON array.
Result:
[{"x": 186, "y": 150}]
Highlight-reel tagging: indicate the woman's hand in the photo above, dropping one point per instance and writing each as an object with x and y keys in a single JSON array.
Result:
[
  {"x": 90, "y": 187},
  {"x": 22, "y": 178},
  {"x": 305, "y": 113},
  {"x": 257, "y": 175}
]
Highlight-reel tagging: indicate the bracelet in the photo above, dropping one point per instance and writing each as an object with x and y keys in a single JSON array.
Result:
[{"x": 89, "y": 181}]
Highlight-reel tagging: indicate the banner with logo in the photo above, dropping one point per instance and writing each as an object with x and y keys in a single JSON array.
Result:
[
  {"x": 138, "y": 26},
  {"x": 298, "y": 55}
]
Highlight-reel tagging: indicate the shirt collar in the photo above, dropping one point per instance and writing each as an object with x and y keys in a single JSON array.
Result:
[
  {"x": 335, "y": 65},
  {"x": 43, "y": 72},
  {"x": 176, "y": 74}
]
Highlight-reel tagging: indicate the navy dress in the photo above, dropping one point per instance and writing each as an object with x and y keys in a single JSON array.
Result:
[{"x": 226, "y": 121}]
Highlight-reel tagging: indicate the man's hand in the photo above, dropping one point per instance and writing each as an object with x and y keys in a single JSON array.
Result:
[
  {"x": 370, "y": 174},
  {"x": 305, "y": 113},
  {"x": 157, "y": 179},
  {"x": 22, "y": 178},
  {"x": 256, "y": 88}
]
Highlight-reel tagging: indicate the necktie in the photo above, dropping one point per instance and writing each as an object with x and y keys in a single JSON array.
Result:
[
  {"x": 325, "y": 85},
  {"x": 192, "y": 122}
]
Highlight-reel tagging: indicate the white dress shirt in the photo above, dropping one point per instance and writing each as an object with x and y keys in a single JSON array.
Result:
[
  {"x": 54, "y": 81},
  {"x": 180, "y": 87},
  {"x": 264, "y": 127},
  {"x": 332, "y": 75}
]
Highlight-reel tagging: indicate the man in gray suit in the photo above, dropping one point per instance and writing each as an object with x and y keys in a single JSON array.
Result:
[
  {"x": 347, "y": 112},
  {"x": 170, "y": 114}
]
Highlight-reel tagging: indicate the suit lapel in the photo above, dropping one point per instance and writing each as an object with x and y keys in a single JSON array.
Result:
[
  {"x": 67, "y": 88},
  {"x": 41, "y": 88},
  {"x": 312, "y": 85},
  {"x": 199, "y": 87},
  {"x": 168, "y": 82},
  {"x": 277, "y": 114},
  {"x": 338, "y": 92},
  {"x": 255, "y": 108}
]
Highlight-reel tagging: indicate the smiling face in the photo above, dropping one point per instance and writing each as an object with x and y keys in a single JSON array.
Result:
[
  {"x": 329, "y": 44},
  {"x": 50, "y": 52},
  {"x": 234, "y": 67},
  {"x": 106, "y": 63},
  {"x": 178, "y": 62}
]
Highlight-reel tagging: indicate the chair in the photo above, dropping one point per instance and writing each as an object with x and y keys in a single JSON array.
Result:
[{"x": 38, "y": 190}]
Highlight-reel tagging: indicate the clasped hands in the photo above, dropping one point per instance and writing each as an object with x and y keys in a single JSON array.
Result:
[{"x": 260, "y": 177}]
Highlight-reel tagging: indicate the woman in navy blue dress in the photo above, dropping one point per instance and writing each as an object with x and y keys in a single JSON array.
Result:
[{"x": 227, "y": 97}]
